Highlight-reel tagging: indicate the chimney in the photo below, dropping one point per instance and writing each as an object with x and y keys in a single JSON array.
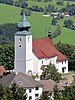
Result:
[{"x": 49, "y": 34}]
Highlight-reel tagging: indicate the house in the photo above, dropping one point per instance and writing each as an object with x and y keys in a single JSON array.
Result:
[
  {"x": 31, "y": 55},
  {"x": 33, "y": 88},
  {"x": 55, "y": 14},
  {"x": 66, "y": 14},
  {"x": 48, "y": 87}
]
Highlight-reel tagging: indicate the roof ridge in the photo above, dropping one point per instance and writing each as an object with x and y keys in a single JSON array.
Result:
[{"x": 39, "y": 38}]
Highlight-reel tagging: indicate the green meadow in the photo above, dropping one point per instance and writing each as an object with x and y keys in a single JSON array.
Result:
[
  {"x": 39, "y": 23},
  {"x": 9, "y": 14}
]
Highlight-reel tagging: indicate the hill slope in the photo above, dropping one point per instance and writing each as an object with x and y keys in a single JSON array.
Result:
[{"x": 39, "y": 23}]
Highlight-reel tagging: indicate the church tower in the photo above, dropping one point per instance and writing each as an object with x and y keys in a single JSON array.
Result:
[{"x": 23, "y": 47}]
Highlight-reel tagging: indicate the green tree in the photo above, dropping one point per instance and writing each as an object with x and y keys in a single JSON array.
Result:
[
  {"x": 54, "y": 21},
  {"x": 18, "y": 93},
  {"x": 60, "y": 2},
  {"x": 7, "y": 56},
  {"x": 51, "y": 73},
  {"x": 57, "y": 95},
  {"x": 44, "y": 96},
  {"x": 68, "y": 23},
  {"x": 2, "y": 91},
  {"x": 13, "y": 92},
  {"x": 69, "y": 51},
  {"x": 66, "y": 49},
  {"x": 69, "y": 93},
  {"x": 57, "y": 32},
  {"x": 27, "y": 12}
]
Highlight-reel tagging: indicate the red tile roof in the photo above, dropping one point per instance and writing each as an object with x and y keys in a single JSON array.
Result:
[
  {"x": 2, "y": 70},
  {"x": 44, "y": 48}
]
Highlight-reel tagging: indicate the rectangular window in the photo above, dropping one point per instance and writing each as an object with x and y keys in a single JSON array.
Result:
[
  {"x": 62, "y": 62},
  {"x": 28, "y": 39},
  {"x": 65, "y": 61},
  {"x": 20, "y": 39},
  {"x": 36, "y": 95},
  {"x": 30, "y": 90},
  {"x": 37, "y": 88},
  {"x": 42, "y": 61},
  {"x": 30, "y": 97}
]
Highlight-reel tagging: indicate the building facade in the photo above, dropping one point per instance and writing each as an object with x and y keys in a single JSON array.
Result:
[
  {"x": 31, "y": 55},
  {"x": 44, "y": 53},
  {"x": 32, "y": 87}
]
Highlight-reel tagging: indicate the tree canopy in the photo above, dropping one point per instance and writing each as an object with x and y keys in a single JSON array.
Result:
[
  {"x": 67, "y": 94},
  {"x": 51, "y": 73},
  {"x": 7, "y": 56},
  {"x": 12, "y": 93},
  {"x": 69, "y": 51}
]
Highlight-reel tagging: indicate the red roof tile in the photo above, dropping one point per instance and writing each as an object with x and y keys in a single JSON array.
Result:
[
  {"x": 43, "y": 67},
  {"x": 2, "y": 70},
  {"x": 44, "y": 48}
]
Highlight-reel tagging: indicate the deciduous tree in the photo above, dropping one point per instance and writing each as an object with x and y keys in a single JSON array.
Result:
[{"x": 51, "y": 73}]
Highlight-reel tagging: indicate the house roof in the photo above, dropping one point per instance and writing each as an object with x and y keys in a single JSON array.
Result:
[
  {"x": 2, "y": 70},
  {"x": 48, "y": 85},
  {"x": 44, "y": 48},
  {"x": 7, "y": 79},
  {"x": 21, "y": 79}
]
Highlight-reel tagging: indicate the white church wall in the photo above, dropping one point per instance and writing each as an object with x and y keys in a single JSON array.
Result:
[
  {"x": 28, "y": 47},
  {"x": 39, "y": 62},
  {"x": 35, "y": 64},
  {"x": 45, "y": 61},
  {"x": 52, "y": 60},
  {"x": 29, "y": 65}
]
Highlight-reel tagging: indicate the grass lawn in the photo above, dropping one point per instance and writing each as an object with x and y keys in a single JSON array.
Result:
[
  {"x": 39, "y": 23},
  {"x": 67, "y": 35},
  {"x": 9, "y": 14}
]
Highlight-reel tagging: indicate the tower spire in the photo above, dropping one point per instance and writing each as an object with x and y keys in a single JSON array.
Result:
[{"x": 23, "y": 24}]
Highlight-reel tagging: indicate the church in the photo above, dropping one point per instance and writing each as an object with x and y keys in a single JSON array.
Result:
[{"x": 34, "y": 55}]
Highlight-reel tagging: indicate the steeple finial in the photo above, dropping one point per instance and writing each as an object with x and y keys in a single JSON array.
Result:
[{"x": 23, "y": 24}]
